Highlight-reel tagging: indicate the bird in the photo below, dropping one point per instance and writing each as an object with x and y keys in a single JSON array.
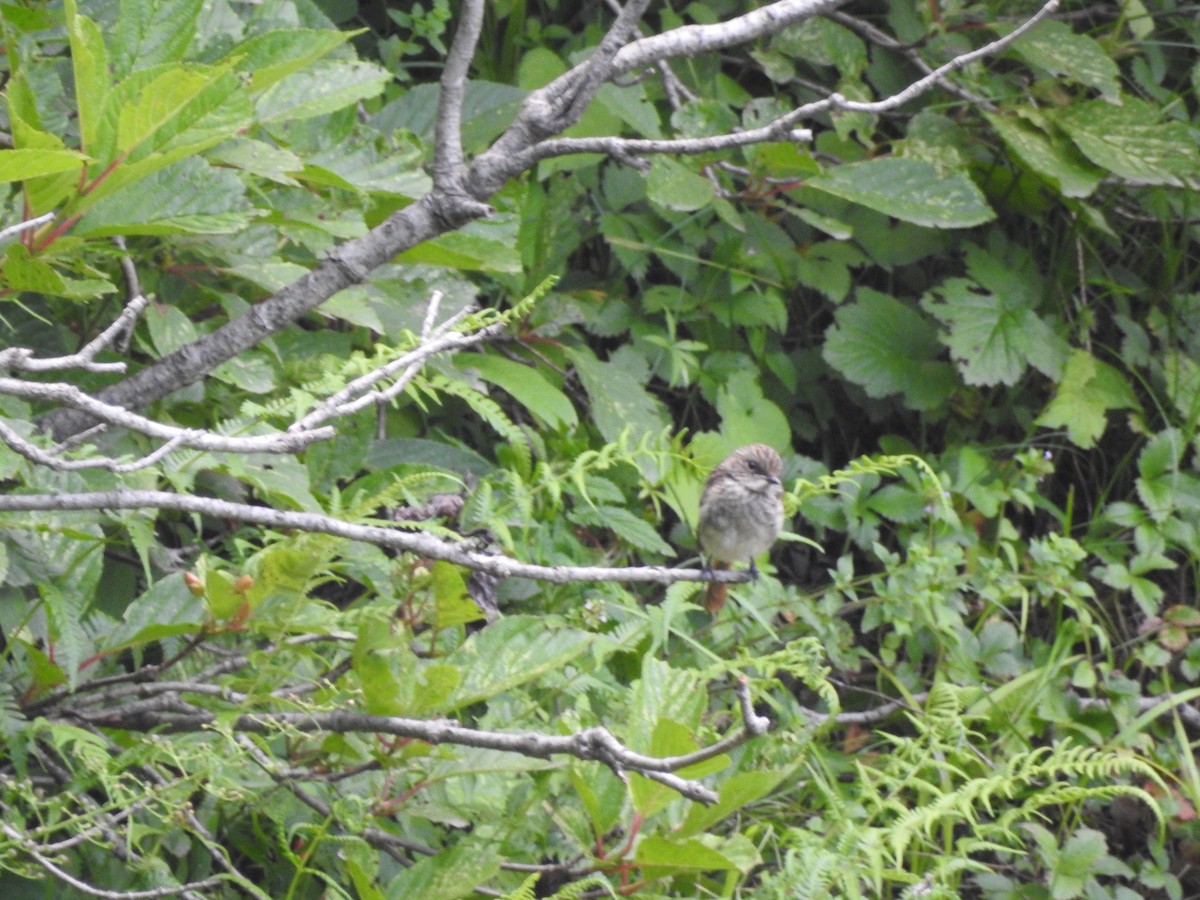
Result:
[{"x": 741, "y": 513}]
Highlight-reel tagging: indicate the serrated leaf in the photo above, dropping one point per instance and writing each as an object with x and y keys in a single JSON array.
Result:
[
  {"x": 271, "y": 57},
  {"x": 472, "y": 252},
  {"x": 1087, "y": 390},
  {"x": 993, "y": 330},
  {"x": 909, "y": 189},
  {"x": 18, "y": 165},
  {"x": 181, "y": 108},
  {"x": 638, "y": 533},
  {"x": 169, "y": 328},
  {"x": 190, "y": 197},
  {"x": 654, "y": 852},
  {"x": 888, "y": 348},
  {"x": 450, "y": 875},
  {"x": 526, "y": 384},
  {"x": 616, "y": 389},
  {"x": 166, "y": 609},
  {"x": 672, "y": 185},
  {"x": 321, "y": 89},
  {"x": 1053, "y": 46},
  {"x": 150, "y": 32},
  {"x": 89, "y": 60},
  {"x": 1055, "y": 160},
  {"x": 513, "y": 651},
  {"x": 1132, "y": 141},
  {"x": 22, "y": 272}
]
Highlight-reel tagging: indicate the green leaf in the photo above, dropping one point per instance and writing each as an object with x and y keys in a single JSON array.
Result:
[
  {"x": 638, "y": 533},
  {"x": 166, "y": 609},
  {"x": 454, "y": 605},
  {"x": 89, "y": 59},
  {"x": 191, "y": 197},
  {"x": 993, "y": 329},
  {"x": 271, "y": 57},
  {"x": 1053, "y": 46},
  {"x": 22, "y": 272},
  {"x": 527, "y": 385},
  {"x": 513, "y": 651},
  {"x": 1053, "y": 159},
  {"x": 1131, "y": 141},
  {"x": 672, "y": 185},
  {"x": 617, "y": 392},
  {"x": 18, "y": 165},
  {"x": 452, "y": 874},
  {"x": 169, "y": 328},
  {"x": 909, "y": 189},
  {"x": 654, "y": 852},
  {"x": 461, "y": 250},
  {"x": 179, "y": 109},
  {"x": 321, "y": 89},
  {"x": 888, "y": 348},
  {"x": 150, "y": 32},
  {"x": 1087, "y": 390},
  {"x": 737, "y": 791}
]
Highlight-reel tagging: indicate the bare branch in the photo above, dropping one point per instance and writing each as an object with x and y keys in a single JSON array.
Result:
[
  {"x": 357, "y": 394},
  {"x": 194, "y": 439},
  {"x": 84, "y": 888},
  {"x": 695, "y": 40},
  {"x": 448, "y": 169},
  {"x": 408, "y": 541},
  {"x": 27, "y": 225},
  {"x": 21, "y": 359}
]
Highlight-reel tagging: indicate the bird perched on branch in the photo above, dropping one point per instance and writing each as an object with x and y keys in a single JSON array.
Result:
[{"x": 741, "y": 513}]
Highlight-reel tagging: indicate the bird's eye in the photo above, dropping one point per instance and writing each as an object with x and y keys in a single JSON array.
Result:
[{"x": 753, "y": 466}]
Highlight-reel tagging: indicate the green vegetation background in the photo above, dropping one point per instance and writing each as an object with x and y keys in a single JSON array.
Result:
[{"x": 1002, "y": 283}]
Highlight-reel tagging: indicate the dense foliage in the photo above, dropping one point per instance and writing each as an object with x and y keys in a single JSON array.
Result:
[{"x": 979, "y": 659}]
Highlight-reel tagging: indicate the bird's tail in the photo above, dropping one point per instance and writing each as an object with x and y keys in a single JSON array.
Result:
[{"x": 716, "y": 593}]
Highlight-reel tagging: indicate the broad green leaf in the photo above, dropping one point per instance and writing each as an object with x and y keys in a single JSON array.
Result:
[
  {"x": 736, "y": 791},
  {"x": 1055, "y": 47},
  {"x": 1162, "y": 485},
  {"x": 89, "y": 57},
  {"x": 630, "y": 105},
  {"x": 748, "y": 417},
  {"x": 1055, "y": 160},
  {"x": 271, "y": 57},
  {"x": 191, "y": 197},
  {"x": 886, "y": 347},
  {"x": 616, "y": 389},
  {"x": 450, "y": 875},
  {"x": 513, "y": 651},
  {"x": 182, "y": 108},
  {"x": 396, "y": 172},
  {"x": 460, "y": 250},
  {"x": 909, "y": 189},
  {"x": 526, "y": 384},
  {"x": 166, "y": 609},
  {"x": 258, "y": 158},
  {"x": 151, "y": 32},
  {"x": 19, "y": 165},
  {"x": 994, "y": 331},
  {"x": 1132, "y": 141},
  {"x": 655, "y": 852},
  {"x": 1086, "y": 392},
  {"x": 321, "y": 89},
  {"x": 25, "y": 273},
  {"x": 674, "y": 186},
  {"x": 169, "y": 327},
  {"x": 453, "y": 605},
  {"x": 636, "y": 532}
]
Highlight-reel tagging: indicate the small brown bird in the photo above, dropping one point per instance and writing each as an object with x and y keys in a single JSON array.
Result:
[{"x": 741, "y": 513}]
